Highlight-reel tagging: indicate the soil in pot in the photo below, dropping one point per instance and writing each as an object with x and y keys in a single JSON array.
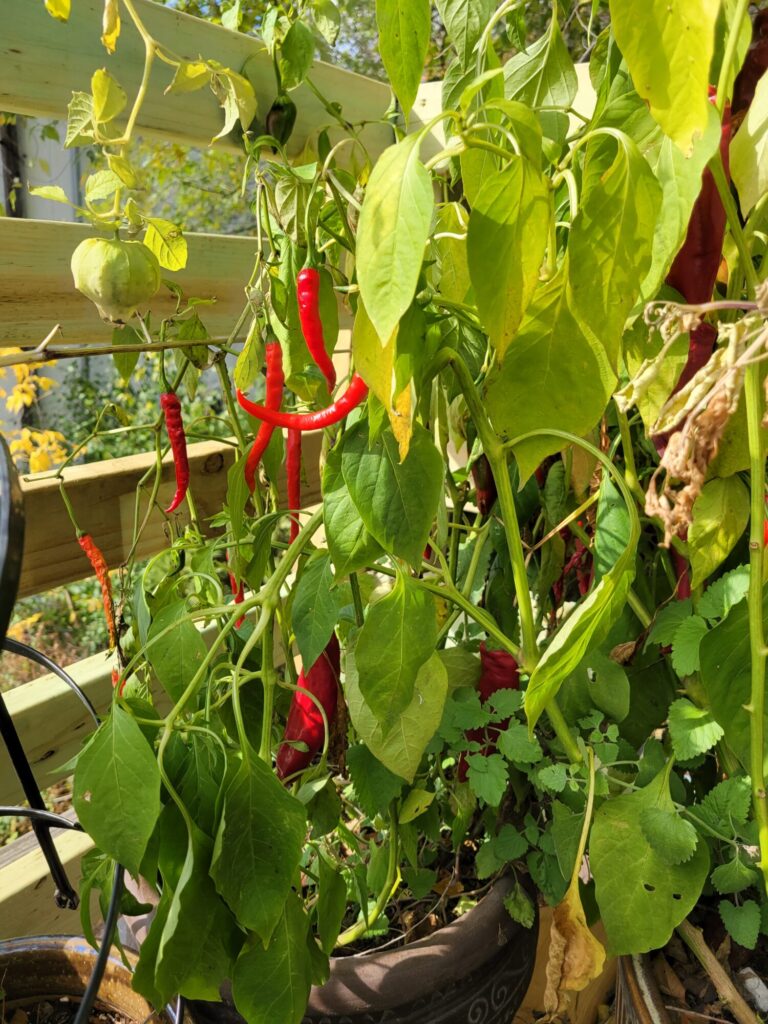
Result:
[{"x": 59, "y": 1011}]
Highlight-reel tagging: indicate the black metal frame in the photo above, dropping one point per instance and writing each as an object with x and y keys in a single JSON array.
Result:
[{"x": 42, "y": 820}]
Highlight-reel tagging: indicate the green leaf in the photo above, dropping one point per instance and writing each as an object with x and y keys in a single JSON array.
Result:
[
  {"x": 397, "y": 638},
  {"x": 109, "y": 97},
  {"x": 258, "y": 846},
  {"x": 583, "y": 629},
  {"x": 178, "y": 655},
  {"x": 393, "y": 230},
  {"x": 396, "y": 501},
  {"x": 724, "y": 593},
  {"x": 609, "y": 687},
  {"x": 297, "y": 52},
  {"x": 506, "y": 242},
  {"x": 462, "y": 666},
  {"x": 686, "y": 644},
  {"x": 404, "y": 31},
  {"x": 79, "y": 120},
  {"x": 464, "y": 22},
  {"x": 641, "y": 897},
  {"x": 734, "y": 876},
  {"x": 375, "y": 786},
  {"x": 200, "y": 938},
  {"x": 566, "y": 835},
  {"x": 166, "y": 241},
  {"x": 101, "y": 185},
  {"x": 720, "y": 516},
  {"x": 679, "y": 39},
  {"x": 725, "y": 673},
  {"x": 237, "y": 98},
  {"x": 488, "y": 777},
  {"x": 613, "y": 527},
  {"x": 680, "y": 180},
  {"x": 316, "y": 606},
  {"x": 452, "y": 252},
  {"x": 196, "y": 767},
  {"x": 517, "y": 747},
  {"x": 520, "y": 906},
  {"x": 552, "y": 777},
  {"x": 117, "y": 789},
  {"x": 667, "y": 622},
  {"x": 727, "y": 806},
  {"x": 351, "y": 545},
  {"x": 401, "y": 747},
  {"x": 610, "y": 240},
  {"x": 743, "y": 923},
  {"x": 552, "y": 377},
  {"x": 271, "y": 986},
  {"x": 497, "y": 851},
  {"x": 54, "y": 193},
  {"x": 328, "y": 19},
  {"x": 672, "y": 837},
  {"x": 749, "y": 151},
  {"x": 543, "y": 74},
  {"x": 416, "y": 803},
  {"x": 693, "y": 730},
  {"x": 125, "y": 362},
  {"x": 190, "y": 76},
  {"x": 331, "y": 903}
]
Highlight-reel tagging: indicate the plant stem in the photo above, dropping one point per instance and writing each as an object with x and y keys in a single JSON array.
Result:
[
  {"x": 269, "y": 682},
  {"x": 729, "y": 995},
  {"x": 390, "y": 883},
  {"x": 742, "y": 10},
  {"x": 630, "y": 470}
]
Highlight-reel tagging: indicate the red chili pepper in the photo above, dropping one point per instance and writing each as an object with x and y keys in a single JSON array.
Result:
[
  {"x": 754, "y": 67},
  {"x": 293, "y": 473},
  {"x": 694, "y": 271},
  {"x": 485, "y": 485},
  {"x": 273, "y": 398},
  {"x": 308, "y": 295},
  {"x": 171, "y": 407},
  {"x": 116, "y": 682},
  {"x": 343, "y": 406},
  {"x": 499, "y": 671},
  {"x": 100, "y": 568},
  {"x": 683, "y": 579},
  {"x": 305, "y": 722}
]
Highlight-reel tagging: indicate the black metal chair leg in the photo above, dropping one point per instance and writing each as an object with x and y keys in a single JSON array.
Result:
[{"x": 65, "y": 896}]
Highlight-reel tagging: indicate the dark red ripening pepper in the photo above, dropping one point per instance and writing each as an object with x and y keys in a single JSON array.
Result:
[
  {"x": 308, "y": 295},
  {"x": 273, "y": 398},
  {"x": 305, "y": 723},
  {"x": 694, "y": 271},
  {"x": 356, "y": 393},
  {"x": 293, "y": 474},
  {"x": 498, "y": 671},
  {"x": 754, "y": 67},
  {"x": 174, "y": 424},
  {"x": 238, "y": 591},
  {"x": 485, "y": 485},
  {"x": 116, "y": 682},
  {"x": 101, "y": 569}
]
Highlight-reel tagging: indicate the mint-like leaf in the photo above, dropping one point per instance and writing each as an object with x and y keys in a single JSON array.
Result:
[
  {"x": 743, "y": 923},
  {"x": 733, "y": 877},
  {"x": 685, "y": 646},
  {"x": 515, "y": 745},
  {"x": 726, "y": 807},
  {"x": 673, "y": 838},
  {"x": 668, "y": 620},
  {"x": 724, "y": 593},
  {"x": 693, "y": 730},
  {"x": 488, "y": 777}
]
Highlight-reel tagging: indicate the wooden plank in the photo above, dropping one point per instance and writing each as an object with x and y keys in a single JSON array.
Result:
[
  {"x": 42, "y": 61},
  {"x": 27, "y": 906},
  {"x": 103, "y": 497},
  {"x": 36, "y": 289}
]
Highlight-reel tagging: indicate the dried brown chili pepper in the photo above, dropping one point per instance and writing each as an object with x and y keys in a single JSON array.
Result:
[{"x": 101, "y": 569}]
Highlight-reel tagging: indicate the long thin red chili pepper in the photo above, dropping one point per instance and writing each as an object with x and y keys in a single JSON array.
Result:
[
  {"x": 305, "y": 722},
  {"x": 293, "y": 473},
  {"x": 101, "y": 569},
  {"x": 174, "y": 424},
  {"x": 304, "y": 421},
  {"x": 273, "y": 398},
  {"x": 308, "y": 295}
]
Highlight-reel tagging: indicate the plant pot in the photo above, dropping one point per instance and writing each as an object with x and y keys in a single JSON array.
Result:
[
  {"x": 52, "y": 966},
  {"x": 638, "y": 1000},
  {"x": 476, "y": 970}
]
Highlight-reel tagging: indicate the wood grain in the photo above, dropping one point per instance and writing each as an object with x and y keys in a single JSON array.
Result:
[{"x": 42, "y": 61}]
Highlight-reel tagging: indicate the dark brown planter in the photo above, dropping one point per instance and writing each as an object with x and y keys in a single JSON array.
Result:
[
  {"x": 638, "y": 1000},
  {"x": 49, "y": 967},
  {"x": 474, "y": 971}
]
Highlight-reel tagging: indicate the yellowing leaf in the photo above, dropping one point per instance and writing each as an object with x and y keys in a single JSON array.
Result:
[
  {"x": 110, "y": 26},
  {"x": 58, "y": 9},
  {"x": 374, "y": 361},
  {"x": 190, "y": 76},
  {"x": 109, "y": 98},
  {"x": 167, "y": 243},
  {"x": 576, "y": 957},
  {"x": 401, "y": 418}
]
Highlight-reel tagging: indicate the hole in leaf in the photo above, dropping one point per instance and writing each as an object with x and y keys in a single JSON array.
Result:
[
  {"x": 649, "y": 888},
  {"x": 677, "y": 896}
]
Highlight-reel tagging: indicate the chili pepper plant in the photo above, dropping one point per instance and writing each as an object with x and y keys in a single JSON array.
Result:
[{"x": 525, "y": 623}]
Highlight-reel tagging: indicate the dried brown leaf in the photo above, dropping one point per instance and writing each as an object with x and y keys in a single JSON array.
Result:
[{"x": 576, "y": 957}]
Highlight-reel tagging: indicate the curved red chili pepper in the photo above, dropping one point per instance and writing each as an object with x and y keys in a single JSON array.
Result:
[
  {"x": 308, "y": 295},
  {"x": 499, "y": 672},
  {"x": 101, "y": 569},
  {"x": 273, "y": 398},
  {"x": 174, "y": 424},
  {"x": 304, "y": 421},
  {"x": 305, "y": 722},
  {"x": 293, "y": 473}
]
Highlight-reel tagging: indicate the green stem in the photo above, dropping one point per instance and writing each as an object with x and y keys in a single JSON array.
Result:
[
  {"x": 630, "y": 469},
  {"x": 742, "y": 11},
  {"x": 390, "y": 883},
  {"x": 269, "y": 682},
  {"x": 357, "y": 599},
  {"x": 221, "y": 370}
]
